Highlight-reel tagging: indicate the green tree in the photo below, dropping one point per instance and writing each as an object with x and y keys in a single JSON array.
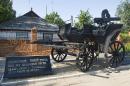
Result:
[
  {"x": 6, "y": 10},
  {"x": 84, "y": 18},
  {"x": 123, "y": 11},
  {"x": 54, "y": 18}
]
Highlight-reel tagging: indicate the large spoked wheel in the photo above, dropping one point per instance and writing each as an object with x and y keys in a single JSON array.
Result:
[
  {"x": 58, "y": 54},
  {"x": 116, "y": 52},
  {"x": 84, "y": 62}
]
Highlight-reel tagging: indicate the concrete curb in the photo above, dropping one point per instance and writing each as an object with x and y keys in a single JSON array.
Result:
[{"x": 126, "y": 67}]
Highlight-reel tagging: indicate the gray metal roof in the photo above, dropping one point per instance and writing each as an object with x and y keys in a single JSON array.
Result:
[{"x": 27, "y": 22}]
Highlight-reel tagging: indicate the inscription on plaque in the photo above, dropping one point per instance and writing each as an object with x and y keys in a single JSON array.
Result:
[{"x": 17, "y": 67}]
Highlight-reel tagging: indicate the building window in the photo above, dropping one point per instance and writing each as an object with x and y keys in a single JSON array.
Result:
[
  {"x": 7, "y": 35},
  {"x": 47, "y": 37},
  {"x": 22, "y": 35},
  {"x": 40, "y": 35}
]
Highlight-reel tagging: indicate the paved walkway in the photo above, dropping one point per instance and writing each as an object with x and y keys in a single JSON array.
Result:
[
  {"x": 96, "y": 78},
  {"x": 67, "y": 74},
  {"x": 99, "y": 79},
  {"x": 2, "y": 67}
]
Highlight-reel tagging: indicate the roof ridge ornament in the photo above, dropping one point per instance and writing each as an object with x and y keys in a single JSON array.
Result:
[{"x": 31, "y": 9}]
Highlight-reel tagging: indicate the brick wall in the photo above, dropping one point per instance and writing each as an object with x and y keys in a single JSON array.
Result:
[{"x": 22, "y": 48}]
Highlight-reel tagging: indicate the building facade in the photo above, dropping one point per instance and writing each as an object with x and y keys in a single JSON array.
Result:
[{"x": 23, "y": 30}]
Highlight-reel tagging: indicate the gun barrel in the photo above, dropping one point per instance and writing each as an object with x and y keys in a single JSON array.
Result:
[{"x": 105, "y": 20}]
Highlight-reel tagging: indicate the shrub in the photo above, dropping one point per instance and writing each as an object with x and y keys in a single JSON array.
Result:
[
  {"x": 125, "y": 37},
  {"x": 127, "y": 47}
]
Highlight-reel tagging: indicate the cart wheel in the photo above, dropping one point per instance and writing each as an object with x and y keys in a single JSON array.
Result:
[
  {"x": 116, "y": 52},
  {"x": 84, "y": 61},
  {"x": 58, "y": 54}
]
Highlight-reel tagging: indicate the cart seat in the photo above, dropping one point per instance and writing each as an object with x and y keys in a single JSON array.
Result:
[{"x": 74, "y": 34}]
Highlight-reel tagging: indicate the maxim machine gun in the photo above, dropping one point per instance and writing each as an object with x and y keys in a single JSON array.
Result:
[{"x": 90, "y": 41}]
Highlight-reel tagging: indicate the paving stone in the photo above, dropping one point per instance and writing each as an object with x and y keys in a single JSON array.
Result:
[{"x": 67, "y": 74}]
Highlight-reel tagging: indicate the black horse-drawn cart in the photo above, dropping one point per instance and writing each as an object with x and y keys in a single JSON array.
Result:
[{"x": 90, "y": 41}]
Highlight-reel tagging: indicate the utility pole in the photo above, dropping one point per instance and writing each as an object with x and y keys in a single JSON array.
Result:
[
  {"x": 52, "y": 5},
  {"x": 71, "y": 19},
  {"x": 46, "y": 9}
]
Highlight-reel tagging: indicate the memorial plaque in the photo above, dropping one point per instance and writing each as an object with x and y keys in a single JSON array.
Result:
[{"x": 17, "y": 67}]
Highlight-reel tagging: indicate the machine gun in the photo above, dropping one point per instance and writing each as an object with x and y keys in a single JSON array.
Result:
[
  {"x": 105, "y": 18},
  {"x": 102, "y": 21}
]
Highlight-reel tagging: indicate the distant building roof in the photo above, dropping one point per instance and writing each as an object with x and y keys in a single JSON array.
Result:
[{"x": 27, "y": 22}]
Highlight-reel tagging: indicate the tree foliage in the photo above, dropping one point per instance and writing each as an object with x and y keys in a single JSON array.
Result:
[
  {"x": 123, "y": 11},
  {"x": 84, "y": 18},
  {"x": 54, "y": 18},
  {"x": 6, "y": 10}
]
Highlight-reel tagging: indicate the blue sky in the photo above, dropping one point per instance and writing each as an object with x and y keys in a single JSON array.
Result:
[{"x": 65, "y": 8}]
